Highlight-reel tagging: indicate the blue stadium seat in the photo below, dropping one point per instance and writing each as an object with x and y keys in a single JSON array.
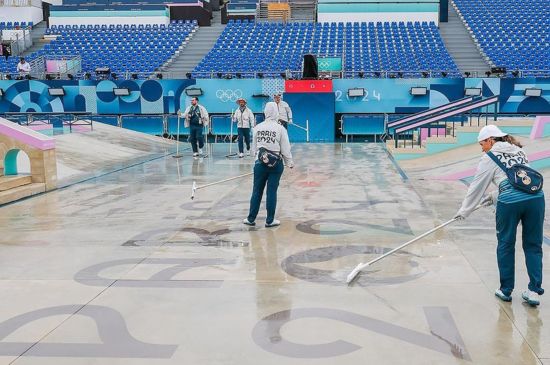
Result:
[
  {"x": 118, "y": 47},
  {"x": 511, "y": 33},
  {"x": 272, "y": 48}
]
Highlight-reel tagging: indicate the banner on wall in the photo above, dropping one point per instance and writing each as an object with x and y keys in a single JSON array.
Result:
[
  {"x": 308, "y": 86},
  {"x": 329, "y": 64},
  {"x": 318, "y": 110},
  {"x": 394, "y": 96},
  {"x": 219, "y": 96},
  {"x": 513, "y": 99}
]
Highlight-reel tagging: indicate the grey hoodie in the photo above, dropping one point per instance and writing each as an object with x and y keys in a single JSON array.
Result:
[
  {"x": 271, "y": 135},
  {"x": 488, "y": 171}
]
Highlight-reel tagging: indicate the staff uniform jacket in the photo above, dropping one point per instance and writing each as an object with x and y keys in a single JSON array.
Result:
[
  {"x": 204, "y": 116},
  {"x": 244, "y": 119},
  {"x": 273, "y": 137},
  {"x": 285, "y": 113},
  {"x": 488, "y": 171}
]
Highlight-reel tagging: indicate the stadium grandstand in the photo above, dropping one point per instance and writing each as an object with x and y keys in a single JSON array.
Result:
[
  {"x": 367, "y": 48},
  {"x": 400, "y": 144},
  {"x": 511, "y": 34}
]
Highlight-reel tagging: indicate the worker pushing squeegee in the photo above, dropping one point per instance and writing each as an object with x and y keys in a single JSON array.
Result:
[{"x": 362, "y": 266}]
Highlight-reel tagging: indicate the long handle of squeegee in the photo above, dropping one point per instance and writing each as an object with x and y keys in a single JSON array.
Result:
[
  {"x": 225, "y": 180},
  {"x": 353, "y": 274}
]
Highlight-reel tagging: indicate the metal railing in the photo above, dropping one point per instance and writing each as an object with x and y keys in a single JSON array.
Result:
[
  {"x": 71, "y": 119},
  {"x": 15, "y": 2},
  {"x": 38, "y": 72},
  {"x": 56, "y": 119},
  {"x": 56, "y": 67},
  {"x": 443, "y": 122},
  {"x": 20, "y": 39}
]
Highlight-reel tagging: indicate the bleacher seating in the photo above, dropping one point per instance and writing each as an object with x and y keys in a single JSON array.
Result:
[
  {"x": 139, "y": 49},
  {"x": 513, "y": 33},
  {"x": 399, "y": 47},
  {"x": 272, "y": 48},
  {"x": 15, "y": 25}
]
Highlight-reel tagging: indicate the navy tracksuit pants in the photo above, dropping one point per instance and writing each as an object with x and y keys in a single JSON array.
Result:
[
  {"x": 530, "y": 213},
  {"x": 196, "y": 135},
  {"x": 263, "y": 176},
  {"x": 244, "y": 136}
]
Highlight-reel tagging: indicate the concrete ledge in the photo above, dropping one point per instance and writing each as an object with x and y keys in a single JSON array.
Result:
[
  {"x": 10, "y": 182},
  {"x": 26, "y": 135},
  {"x": 441, "y": 140},
  {"x": 21, "y": 192}
]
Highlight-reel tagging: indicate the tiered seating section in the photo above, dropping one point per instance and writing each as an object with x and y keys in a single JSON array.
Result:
[
  {"x": 137, "y": 49},
  {"x": 512, "y": 33},
  {"x": 394, "y": 49},
  {"x": 14, "y": 25},
  {"x": 410, "y": 48}
]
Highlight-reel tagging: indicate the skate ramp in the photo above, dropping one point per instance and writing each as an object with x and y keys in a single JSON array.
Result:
[{"x": 104, "y": 149}]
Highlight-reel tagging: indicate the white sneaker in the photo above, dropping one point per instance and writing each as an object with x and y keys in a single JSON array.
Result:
[
  {"x": 195, "y": 154},
  {"x": 502, "y": 296},
  {"x": 275, "y": 223},
  {"x": 241, "y": 155},
  {"x": 531, "y": 297},
  {"x": 248, "y": 223},
  {"x": 200, "y": 151}
]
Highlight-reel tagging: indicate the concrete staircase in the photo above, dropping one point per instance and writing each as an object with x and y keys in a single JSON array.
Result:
[
  {"x": 38, "y": 40},
  {"x": 202, "y": 42},
  {"x": 17, "y": 187},
  {"x": 461, "y": 45}
]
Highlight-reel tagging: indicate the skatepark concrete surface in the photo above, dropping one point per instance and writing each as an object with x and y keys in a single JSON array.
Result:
[{"x": 125, "y": 268}]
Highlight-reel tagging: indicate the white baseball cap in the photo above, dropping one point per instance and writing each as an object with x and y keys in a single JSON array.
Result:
[{"x": 490, "y": 131}]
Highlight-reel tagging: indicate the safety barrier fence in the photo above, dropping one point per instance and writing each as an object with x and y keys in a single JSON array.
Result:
[
  {"x": 284, "y": 74},
  {"x": 219, "y": 126},
  {"x": 53, "y": 119}
]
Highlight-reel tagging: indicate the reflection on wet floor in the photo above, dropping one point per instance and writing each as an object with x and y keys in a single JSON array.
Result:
[{"x": 126, "y": 269}]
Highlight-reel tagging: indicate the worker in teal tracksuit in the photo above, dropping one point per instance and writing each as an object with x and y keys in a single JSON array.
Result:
[{"x": 512, "y": 206}]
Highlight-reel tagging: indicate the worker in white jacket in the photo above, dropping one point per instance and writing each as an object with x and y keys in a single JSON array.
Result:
[
  {"x": 512, "y": 206},
  {"x": 285, "y": 113},
  {"x": 244, "y": 117},
  {"x": 196, "y": 119},
  {"x": 271, "y": 146}
]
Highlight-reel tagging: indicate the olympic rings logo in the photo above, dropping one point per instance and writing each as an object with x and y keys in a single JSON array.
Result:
[
  {"x": 323, "y": 65},
  {"x": 229, "y": 95}
]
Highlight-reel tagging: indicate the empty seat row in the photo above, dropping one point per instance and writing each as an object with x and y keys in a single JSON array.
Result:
[
  {"x": 139, "y": 50},
  {"x": 271, "y": 47},
  {"x": 514, "y": 34}
]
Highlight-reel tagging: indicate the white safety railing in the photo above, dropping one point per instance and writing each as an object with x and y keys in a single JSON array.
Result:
[{"x": 15, "y": 2}]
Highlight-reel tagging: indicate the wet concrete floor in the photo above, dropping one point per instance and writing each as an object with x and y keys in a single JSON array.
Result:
[{"x": 126, "y": 269}]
